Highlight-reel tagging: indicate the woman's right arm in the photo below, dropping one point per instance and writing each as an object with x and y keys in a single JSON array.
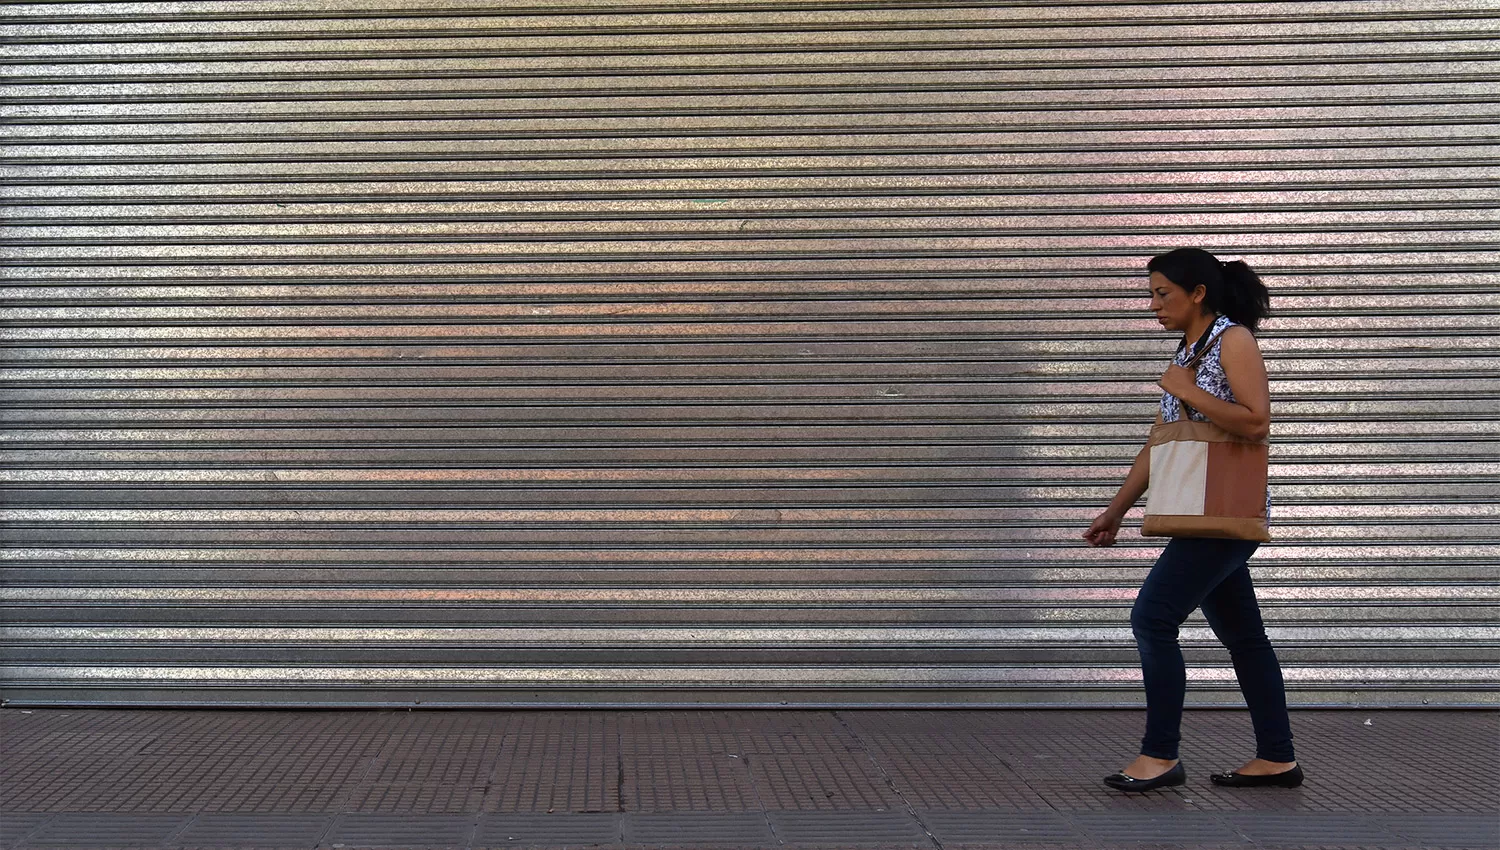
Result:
[{"x": 1107, "y": 525}]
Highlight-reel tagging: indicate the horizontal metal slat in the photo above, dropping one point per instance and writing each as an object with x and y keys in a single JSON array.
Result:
[
  {"x": 1248, "y": 59},
  {"x": 1436, "y": 82},
  {"x": 677, "y": 34},
  {"x": 783, "y": 677},
  {"x": 1127, "y": 565}
]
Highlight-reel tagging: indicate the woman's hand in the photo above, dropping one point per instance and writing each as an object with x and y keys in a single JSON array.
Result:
[
  {"x": 1249, "y": 415},
  {"x": 1105, "y": 528},
  {"x": 1178, "y": 380}
]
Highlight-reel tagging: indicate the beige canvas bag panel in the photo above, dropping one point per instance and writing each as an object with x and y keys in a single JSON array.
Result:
[{"x": 1205, "y": 481}]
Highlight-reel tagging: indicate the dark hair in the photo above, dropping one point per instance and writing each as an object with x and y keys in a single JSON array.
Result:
[{"x": 1232, "y": 289}]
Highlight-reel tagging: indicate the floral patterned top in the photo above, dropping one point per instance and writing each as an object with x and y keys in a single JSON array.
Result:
[{"x": 1211, "y": 379}]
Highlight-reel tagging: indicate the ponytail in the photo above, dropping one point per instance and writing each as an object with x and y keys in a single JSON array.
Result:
[
  {"x": 1232, "y": 289},
  {"x": 1243, "y": 298}
]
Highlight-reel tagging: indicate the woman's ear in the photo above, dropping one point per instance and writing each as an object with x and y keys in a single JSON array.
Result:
[{"x": 1200, "y": 292}]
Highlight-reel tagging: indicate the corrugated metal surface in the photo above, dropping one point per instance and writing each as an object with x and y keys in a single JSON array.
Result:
[{"x": 694, "y": 352}]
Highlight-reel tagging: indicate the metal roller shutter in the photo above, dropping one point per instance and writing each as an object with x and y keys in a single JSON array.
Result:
[{"x": 700, "y": 352}]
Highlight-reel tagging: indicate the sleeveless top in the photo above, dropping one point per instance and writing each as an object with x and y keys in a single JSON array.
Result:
[{"x": 1211, "y": 379}]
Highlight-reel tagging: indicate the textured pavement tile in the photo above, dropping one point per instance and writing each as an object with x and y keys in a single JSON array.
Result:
[
  {"x": 255, "y": 830},
  {"x": 401, "y": 831},
  {"x": 698, "y": 828},
  {"x": 542, "y": 830},
  {"x": 1189, "y": 828},
  {"x": 829, "y": 781},
  {"x": 867, "y": 829},
  {"x": 575, "y": 769},
  {"x": 711, "y": 782},
  {"x": 1481, "y": 832},
  {"x": 431, "y": 758},
  {"x": 729, "y": 724},
  {"x": 974, "y": 781},
  {"x": 272, "y": 798},
  {"x": 415, "y": 799},
  {"x": 1000, "y": 827},
  {"x": 95, "y": 829},
  {"x": 934, "y": 742}
]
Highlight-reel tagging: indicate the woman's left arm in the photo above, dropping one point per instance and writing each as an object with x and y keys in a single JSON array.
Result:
[{"x": 1249, "y": 415}]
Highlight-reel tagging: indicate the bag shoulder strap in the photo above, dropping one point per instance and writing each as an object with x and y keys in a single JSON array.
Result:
[
  {"x": 1205, "y": 345},
  {"x": 1204, "y": 349}
]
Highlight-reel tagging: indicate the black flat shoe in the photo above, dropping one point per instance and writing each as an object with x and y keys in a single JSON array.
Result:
[
  {"x": 1176, "y": 776},
  {"x": 1285, "y": 779}
]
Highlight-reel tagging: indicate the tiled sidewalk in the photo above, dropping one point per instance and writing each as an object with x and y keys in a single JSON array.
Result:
[{"x": 725, "y": 779}]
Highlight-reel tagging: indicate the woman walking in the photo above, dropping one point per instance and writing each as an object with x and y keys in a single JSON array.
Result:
[{"x": 1216, "y": 307}]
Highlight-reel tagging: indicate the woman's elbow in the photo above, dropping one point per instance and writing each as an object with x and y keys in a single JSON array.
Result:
[{"x": 1260, "y": 429}]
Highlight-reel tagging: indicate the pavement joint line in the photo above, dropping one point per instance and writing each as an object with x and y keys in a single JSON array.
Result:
[
  {"x": 492, "y": 779},
  {"x": 474, "y": 825},
  {"x": 341, "y": 805},
  {"x": 620, "y": 785},
  {"x": 910, "y": 809},
  {"x": 1230, "y": 825},
  {"x": 20, "y": 840},
  {"x": 186, "y": 824},
  {"x": 1020, "y": 775},
  {"x": 744, "y": 759}
]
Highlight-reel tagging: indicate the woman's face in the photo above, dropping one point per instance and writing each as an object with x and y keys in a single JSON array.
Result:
[{"x": 1175, "y": 307}]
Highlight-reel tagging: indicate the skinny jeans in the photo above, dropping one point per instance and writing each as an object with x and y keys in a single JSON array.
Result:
[{"x": 1213, "y": 574}]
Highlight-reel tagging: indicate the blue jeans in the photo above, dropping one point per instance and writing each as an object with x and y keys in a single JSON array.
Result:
[{"x": 1213, "y": 574}]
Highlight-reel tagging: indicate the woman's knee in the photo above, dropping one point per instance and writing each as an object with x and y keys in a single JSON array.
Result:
[
  {"x": 1247, "y": 642},
  {"x": 1151, "y": 620},
  {"x": 1239, "y": 629}
]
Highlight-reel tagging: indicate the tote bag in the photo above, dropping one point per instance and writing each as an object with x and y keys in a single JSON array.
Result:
[{"x": 1205, "y": 481}]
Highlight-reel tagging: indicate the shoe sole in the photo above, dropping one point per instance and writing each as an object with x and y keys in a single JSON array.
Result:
[{"x": 1274, "y": 781}]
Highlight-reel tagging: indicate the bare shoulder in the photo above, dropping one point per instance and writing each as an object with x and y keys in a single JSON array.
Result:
[{"x": 1239, "y": 340}]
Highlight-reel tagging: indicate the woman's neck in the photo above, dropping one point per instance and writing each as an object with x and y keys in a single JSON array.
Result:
[{"x": 1199, "y": 327}]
